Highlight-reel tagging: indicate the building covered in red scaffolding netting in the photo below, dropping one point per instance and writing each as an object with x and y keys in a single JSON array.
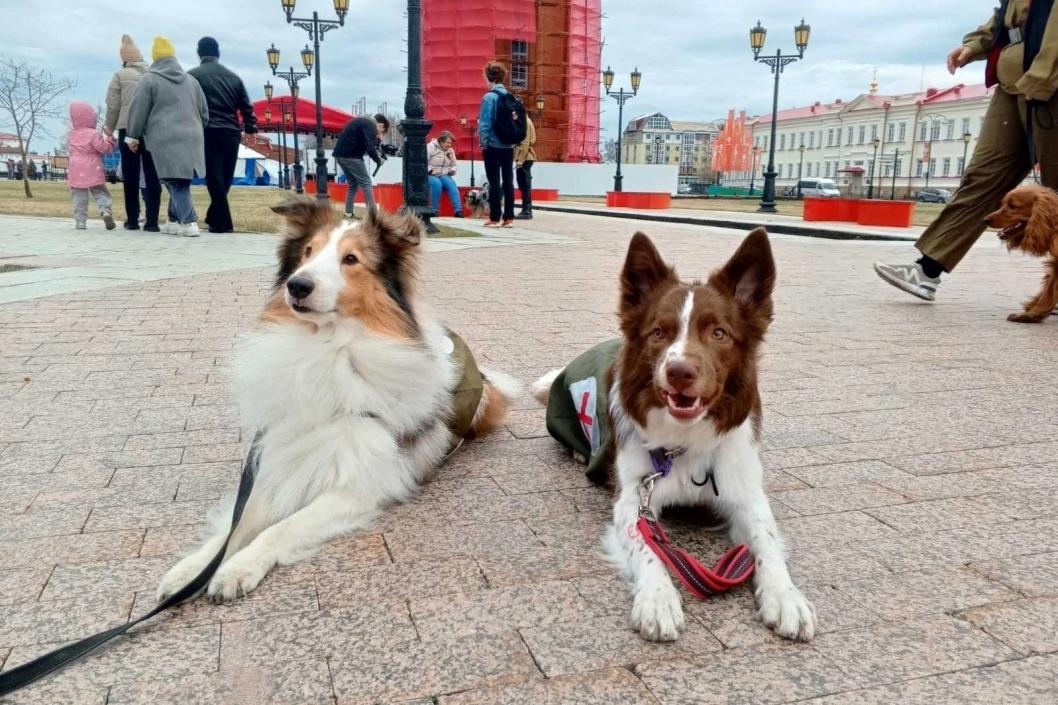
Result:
[{"x": 552, "y": 49}]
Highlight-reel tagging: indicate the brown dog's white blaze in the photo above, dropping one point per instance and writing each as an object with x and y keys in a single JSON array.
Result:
[{"x": 692, "y": 347}]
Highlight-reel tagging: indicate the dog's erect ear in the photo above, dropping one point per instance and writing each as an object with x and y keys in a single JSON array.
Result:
[
  {"x": 644, "y": 271},
  {"x": 750, "y": 273},
  {"x": 303, "y": 217},
  {"x": 399, "y": 232}
]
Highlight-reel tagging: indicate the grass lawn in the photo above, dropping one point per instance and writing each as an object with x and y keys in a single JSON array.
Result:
[
  {"x": 249, "y": 205},
  {"x": 925, "y": 213}
]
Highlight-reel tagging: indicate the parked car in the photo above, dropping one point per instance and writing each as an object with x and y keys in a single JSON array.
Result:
[
  {"x": 819, "y": 188},
  {"x": 933, "y": 195},
  {"x": 683, "y": 189}
]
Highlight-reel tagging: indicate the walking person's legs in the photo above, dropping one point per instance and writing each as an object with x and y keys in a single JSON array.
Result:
[
  {"x": 507, "y": 172},
  {"x": 525, "y": 185},
  {"x": 79, "y": 197},
  {"x": 152, "y": 192},
  {"x": 999, "y": 163},
  {"x": 349, "y": 169},
  {"x": 222, "y": 155},
  {"x": 105, "y": 204},
  {"x": 452, "y": 189},
  {"x": 130, "y": 182},
  {"x": 181, "y": 206},
  {"x": 493, "y": 165},
  {"x": 358, "y": 170}
]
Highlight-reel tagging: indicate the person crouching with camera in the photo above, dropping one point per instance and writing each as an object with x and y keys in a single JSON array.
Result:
[
  {"x": 441, "y": 164},
  {"x": 360, "y": 138}
]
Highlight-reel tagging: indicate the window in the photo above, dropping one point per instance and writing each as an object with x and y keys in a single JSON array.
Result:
[
  {"x": 658, "y": 122},
  {"x": 922, "y": 131},
  {"x": 849, "y": 139},
  {"x": 918, "y": 167},
  {"x": 519, "y": 51},
  {"x": 965, "y": 127},
  {"x": 891, "y": 133},
  {"x": 935, "y": 132},
  {"x": 903, "y": 131},
  {"x": 811, "y": 140},
  {"x": 519, "y": 76},
  {"x": 874, "y": 132},
  {"x": 801, "y": 141},
  {"x": 886, "y": 169},
  {"x": 950, "y": 133},
  {"x": 766, "y": 138},
  {"x": 830, "y": 137},
  {"x": 862, "y": 134},
  {"x": 959, "y": 165},
  {"x": 933, "y": 167},
  {"x": 782, "y": 143},
  {"x": 945, "y": 168}
]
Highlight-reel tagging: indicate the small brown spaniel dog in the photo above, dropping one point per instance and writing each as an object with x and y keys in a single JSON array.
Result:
[{"x": 1027, "y": 220}]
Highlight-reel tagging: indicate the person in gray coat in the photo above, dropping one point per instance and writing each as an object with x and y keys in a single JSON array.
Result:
[
  {"x": 119, "y": 98},
  {"x": 167, "y": 114}
]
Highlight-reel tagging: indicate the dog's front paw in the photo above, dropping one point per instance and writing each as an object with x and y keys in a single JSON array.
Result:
[
  {"x": 788, "y": 613},
  {"x": 658, "y": 613},
  {"x": 179, "y": 576},
  {"x": 1025, "y": 318},
  {"x": 236, "y": 578}
]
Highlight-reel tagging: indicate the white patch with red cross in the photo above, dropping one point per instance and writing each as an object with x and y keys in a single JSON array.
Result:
[{"x": 585, "y": 400}]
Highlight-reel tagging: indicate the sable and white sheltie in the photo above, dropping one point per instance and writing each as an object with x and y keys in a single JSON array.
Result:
[
  {"x": 685, "y": 380},
  {"x": 351, "y": 388}
]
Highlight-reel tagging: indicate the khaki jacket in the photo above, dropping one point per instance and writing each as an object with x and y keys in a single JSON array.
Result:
[
  {"x": 1041, "y": 80},
  {"x": 524, "y": 152},
  {"x": 119, "y": 95}
]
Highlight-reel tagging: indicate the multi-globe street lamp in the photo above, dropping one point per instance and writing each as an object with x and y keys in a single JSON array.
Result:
[
  {"x": 934, "y": 129},
  {"x": 777, "y": 63},
  {"x": 753, "y": 171},
  {"x": 874, "y": 164},
  {"x": 291, "y": 77},
  {"x": 311, "y": 57},
  {"x": 800, "y": 167},
  {"x": 621, "y": 96},
  {"x": 966, "y": 137}
]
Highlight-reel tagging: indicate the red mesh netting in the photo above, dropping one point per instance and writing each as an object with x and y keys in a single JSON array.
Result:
[
  {"x": 585, "y": 59},
  {"x": 733, "y": 147}
]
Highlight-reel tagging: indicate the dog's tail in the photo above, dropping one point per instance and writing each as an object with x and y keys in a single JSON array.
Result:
[
  {"x": 500, "y": 390},
  {"x": 541, "y": 388}
]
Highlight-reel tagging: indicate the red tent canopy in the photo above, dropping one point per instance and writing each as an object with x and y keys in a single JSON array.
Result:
[{"x": 333, "y": 119}]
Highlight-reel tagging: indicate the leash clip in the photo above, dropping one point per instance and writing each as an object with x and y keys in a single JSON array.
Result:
[{"x": 645, "y": 489}]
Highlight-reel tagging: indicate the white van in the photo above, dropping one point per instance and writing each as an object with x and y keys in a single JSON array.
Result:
[{"x": 819, "y": 188}]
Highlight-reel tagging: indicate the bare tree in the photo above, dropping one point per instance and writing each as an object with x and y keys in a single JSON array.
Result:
[
  {"x": 609, "y": 150},
  {"x": 28, "y": 97}
]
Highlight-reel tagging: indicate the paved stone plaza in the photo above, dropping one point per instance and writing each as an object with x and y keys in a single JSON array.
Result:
[{"x": 911, "y": 454}]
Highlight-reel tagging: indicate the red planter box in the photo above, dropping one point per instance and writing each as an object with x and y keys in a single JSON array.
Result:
[
  {"x": 545, "y": 194},
  {"x": 638, "y": 199},
  {"x": 390, "y": 197},
  {"x": 896, "y": 214}
]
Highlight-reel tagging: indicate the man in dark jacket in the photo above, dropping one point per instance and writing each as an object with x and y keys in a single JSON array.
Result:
[
  {"x": 359, "y": 138},
  {"x": 226, "y": 97}
]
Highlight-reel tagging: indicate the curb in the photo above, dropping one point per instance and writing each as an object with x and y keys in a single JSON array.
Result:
[{"x": 777, "y": 228}]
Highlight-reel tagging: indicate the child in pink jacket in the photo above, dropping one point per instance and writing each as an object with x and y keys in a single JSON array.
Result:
[{"x": 87, "y": 147}]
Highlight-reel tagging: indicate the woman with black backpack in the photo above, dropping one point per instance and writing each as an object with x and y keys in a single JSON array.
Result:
[{"x": 501, "y": 126}]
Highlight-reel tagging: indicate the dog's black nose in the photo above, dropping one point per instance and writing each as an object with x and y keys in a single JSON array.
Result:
[{"x": 300, "y": 287}]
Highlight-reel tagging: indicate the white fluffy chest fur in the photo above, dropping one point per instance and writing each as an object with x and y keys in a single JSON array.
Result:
[{"x": 333, "y": 404}]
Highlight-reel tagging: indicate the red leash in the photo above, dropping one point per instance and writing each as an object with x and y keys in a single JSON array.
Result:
[{"x": 734, "y": 567}]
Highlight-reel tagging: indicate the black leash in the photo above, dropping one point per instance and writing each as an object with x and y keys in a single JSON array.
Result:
[{"x": 27, "y": 673}]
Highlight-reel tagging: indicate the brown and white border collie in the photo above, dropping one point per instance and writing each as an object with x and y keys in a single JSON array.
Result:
[
  {"x": 349, "y": 384},
  {"x": 686, "y": 378}
]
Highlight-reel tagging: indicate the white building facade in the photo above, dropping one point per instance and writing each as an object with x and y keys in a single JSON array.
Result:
[{"x": 923, "y": 139}]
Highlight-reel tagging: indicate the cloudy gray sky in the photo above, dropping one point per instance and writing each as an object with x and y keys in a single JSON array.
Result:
[{"x": 694, "y": 55}]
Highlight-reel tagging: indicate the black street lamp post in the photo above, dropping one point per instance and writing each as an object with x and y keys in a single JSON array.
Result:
[
  {"x": 777, "y": 63},
  {"x": 934, "y": 130},
  {"x": 874, "y": 165},
  {"x": 896, "y": 171},
  {"x": 621, "y": 96},
  {"x": 966, "y": 137},
  {"x": 291, "y": 77},
  {"x": 310, "y": 57},
  {"x": 268, "y": 121},
  {"x": 415, "y": 126},
  {"x": 469, "y": 127},
  {"x": 286, "y": 156},
  {"x": 753, "y": 169},
  {"x": 800, "y": 166}
]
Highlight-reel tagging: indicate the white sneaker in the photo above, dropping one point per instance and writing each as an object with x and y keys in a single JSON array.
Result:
[
  {"x": 910, "y": 278},
  {"x": 169, "y": 227},
  {"x": 189, "y": 230}
]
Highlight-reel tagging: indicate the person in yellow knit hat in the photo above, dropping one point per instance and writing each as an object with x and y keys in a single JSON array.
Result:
[{"x": 167, "y": 114}]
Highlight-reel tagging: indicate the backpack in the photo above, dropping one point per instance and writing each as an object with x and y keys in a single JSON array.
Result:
[{"x": 509, "y": 122}]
